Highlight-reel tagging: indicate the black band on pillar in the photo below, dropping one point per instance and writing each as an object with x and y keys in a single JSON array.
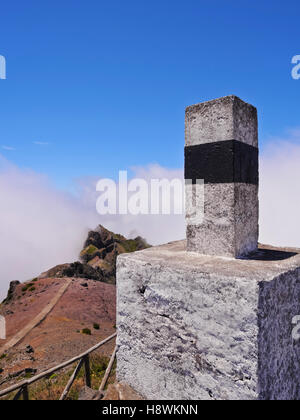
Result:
[{"x": 222, "y": 162}]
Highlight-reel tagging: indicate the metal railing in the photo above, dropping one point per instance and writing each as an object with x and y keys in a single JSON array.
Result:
[{"x": 84, "y": 359}]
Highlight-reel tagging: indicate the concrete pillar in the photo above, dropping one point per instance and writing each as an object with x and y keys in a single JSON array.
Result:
[
  {"x": 221, "y": 147},
  {"x": 194, "y": 326}
]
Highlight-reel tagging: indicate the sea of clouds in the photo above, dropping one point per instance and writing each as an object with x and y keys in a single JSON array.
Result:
[{"x": 41, "y": 226}]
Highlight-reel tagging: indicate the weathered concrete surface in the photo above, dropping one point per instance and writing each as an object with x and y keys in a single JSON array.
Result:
[
  {"x": 200, "y": 327},
  {"x": 225, "y": 118},
  {"x": 230, "y": 225}
]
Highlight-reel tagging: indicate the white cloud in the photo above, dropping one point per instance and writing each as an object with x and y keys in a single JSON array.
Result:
[
  {"x": 9, "y": 148},
  {"x": 157, "y": 229},
  {"x": 280, "y": 191},
  {"x": 42, "y": 226},
  {"x": 41, "y": 143}
]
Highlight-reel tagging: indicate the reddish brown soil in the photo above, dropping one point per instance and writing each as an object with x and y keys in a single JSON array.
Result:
[
  {"x": 59, "y": 336},
  {"x": 26, "y": 305}
]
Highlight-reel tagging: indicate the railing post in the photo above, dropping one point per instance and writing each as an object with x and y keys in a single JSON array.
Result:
[
  {"x": 71, "y": 380},
  {"x": 25, "y": 393},
  {"x": 87, "y": 370},
  {"x": 18, "y": 394},
  {"x": 22, "y": 388},
  {"x": 106, "y": 375}
]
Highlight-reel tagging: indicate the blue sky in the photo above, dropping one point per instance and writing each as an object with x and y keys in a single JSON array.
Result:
[{"x": 105, "y": 84}]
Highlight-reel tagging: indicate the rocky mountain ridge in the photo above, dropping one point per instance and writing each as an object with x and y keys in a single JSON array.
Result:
[
  {"x": 97, "y": 260},
  {"x": 84, "y": 315}
]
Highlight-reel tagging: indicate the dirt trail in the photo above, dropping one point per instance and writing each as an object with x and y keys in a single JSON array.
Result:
[{"x": 37, "y": 320}]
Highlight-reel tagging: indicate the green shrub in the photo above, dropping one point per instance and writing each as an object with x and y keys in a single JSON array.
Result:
[
  {"x": 96, "y": 326},
  {"x": 86, "y": 331},
  {"x": 130, "y": 245},
  {"x": 27, "y": 286},
  {"x": 90, "y": 250}
]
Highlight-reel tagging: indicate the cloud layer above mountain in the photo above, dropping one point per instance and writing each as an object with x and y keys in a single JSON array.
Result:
[{"x": 42, "y": 226}]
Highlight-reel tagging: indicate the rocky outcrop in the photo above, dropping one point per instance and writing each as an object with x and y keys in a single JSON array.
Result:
[
  {"x": 85, "y": 271},
  {"x": 98, "y": 257},
  {"x": 102, "y": 248},
  {"x": 11, "y": 291},
  {"x": 76, "y": 270}
]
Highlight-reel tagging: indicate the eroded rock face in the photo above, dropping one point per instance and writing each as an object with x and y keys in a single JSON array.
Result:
[
  {"x": 11, "y": 291},
  {"x": 98, "y": 257},
  {"x": 76, "y": 269},
  {"x": 101, "y": 238},
  {"x": 102, "y": 248}
]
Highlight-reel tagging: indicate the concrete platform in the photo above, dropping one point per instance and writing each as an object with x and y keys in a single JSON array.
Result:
[{"x": 200, "y": 327}]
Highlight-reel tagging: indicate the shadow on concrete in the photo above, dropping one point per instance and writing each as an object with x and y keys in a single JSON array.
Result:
[{"x": 269, "y": 255}]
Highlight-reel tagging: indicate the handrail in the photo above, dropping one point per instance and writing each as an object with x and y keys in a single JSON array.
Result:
[
  {"x": 25, "y": 383},
  {"x": 100, "y": 393}
]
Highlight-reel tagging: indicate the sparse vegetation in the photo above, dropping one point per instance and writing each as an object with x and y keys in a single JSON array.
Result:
[
  {"x": 90, "y": 250},
  {"x": 3, "y": 356},
  {"x": 86, "y": 331},
  {"x": 96, "y": 326},
  {"x": 27, "y": 286},
  {"x": 28, "y": 375},
  {"x": 52, "y": 387},
  {"x": 130, "y": 245}
]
